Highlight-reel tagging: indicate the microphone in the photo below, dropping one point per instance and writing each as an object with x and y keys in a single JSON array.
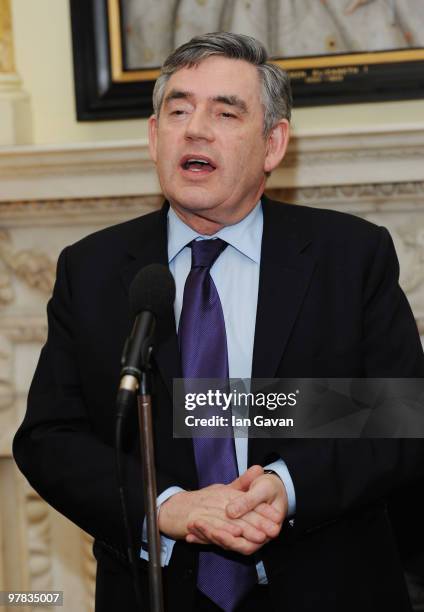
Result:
[{"x": 151, "y": 296}]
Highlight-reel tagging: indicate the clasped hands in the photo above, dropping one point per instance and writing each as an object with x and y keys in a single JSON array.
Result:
[{"x": 241, "y": 516}]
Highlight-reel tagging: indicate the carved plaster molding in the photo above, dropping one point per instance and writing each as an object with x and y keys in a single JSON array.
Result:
[
  {"x": 38, "y": 541},
  {"x": 6, "y": 289},
  {"x": 366, "y": 197},
  {"x": 76, "y": 212},
  {"x": 6, "y": 387},
  {"x": 32, "y": 267},
  {"x": 81, "y": 170},
  {"x": 23, "y": 329},
  {"x": 124, "y": 168},
  {"x": 13, "y": 331},
  {"x": 412, "y": 237},
  {"x": 375, "y": 194},
  {"x": 308, "y": 158}
]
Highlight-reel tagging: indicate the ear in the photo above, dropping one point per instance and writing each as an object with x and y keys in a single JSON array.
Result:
[
  {"x": 276, "y": 146},
  {"x": 153, "y": 136}
]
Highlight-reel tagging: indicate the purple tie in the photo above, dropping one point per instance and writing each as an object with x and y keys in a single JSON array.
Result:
[{"x": 203, "y": 345}]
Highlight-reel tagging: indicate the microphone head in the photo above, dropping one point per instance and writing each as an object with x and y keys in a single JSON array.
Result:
[{"x": 152, "y": 289}]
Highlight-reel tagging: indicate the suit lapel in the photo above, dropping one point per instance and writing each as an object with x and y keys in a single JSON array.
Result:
[
  {"x": 146, "y": 247},
  {"x": 285, "y": 273}
]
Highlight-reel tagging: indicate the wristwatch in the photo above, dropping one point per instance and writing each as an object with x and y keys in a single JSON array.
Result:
[{"x": 271, "y": 472}]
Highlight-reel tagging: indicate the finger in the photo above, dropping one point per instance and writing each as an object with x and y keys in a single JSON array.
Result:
[
  {"x": 214, "y": 522},
  {"x": 250, "y": 531},
  {"x": 246, "y": 502},
  {"x": 197, "y": 533},
  {"x": 243, "y": 482},
  {"x": 214, "y": 536},
  {"x": 260, "y": 523},
  {"x": 236, "y": 544},
  {"x": 192, "y": 539},
  {"x": 270, "y": 512},
  {"x": 255, "y": 526},
  {"x": 226, "y": 540}
]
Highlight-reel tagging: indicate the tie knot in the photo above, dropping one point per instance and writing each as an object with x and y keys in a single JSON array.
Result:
[{"x": 204, "y": 253}]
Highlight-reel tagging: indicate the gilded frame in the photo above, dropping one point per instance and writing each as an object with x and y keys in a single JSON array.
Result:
[{"x": 106, "y": 90}]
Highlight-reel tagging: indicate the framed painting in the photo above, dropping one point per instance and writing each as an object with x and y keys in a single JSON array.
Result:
[{"x": 336, "y": 51}]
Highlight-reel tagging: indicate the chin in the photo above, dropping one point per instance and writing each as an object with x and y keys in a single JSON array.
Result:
[{"x": 194, "y": 199}]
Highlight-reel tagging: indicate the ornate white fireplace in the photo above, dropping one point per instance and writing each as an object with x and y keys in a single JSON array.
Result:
[{"x": 51, "y": 196}]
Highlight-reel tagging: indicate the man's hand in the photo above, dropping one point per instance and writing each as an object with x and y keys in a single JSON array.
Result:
[
  {"x": 266, "y": 497},
  {"x": 265, "y": 489},
  {"x": 182, "y": 513},
  {"x": 201, "y": 516}
]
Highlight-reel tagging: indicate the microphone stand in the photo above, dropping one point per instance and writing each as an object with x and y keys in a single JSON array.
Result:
[
  {"x": 152, "y": 293},
  {"x": 140, "y": 379},
  {"x": 149, "y": 489}
]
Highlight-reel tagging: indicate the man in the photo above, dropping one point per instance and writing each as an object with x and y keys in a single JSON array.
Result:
[{"x": 295, "y": 292}]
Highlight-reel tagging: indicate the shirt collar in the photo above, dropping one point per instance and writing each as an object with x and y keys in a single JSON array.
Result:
[{"x": 245, "y": 236}]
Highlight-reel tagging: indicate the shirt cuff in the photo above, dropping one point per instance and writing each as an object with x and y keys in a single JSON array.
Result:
[
  {"x": 166, "y": 544},
  {"x": 280, "y": 468}
]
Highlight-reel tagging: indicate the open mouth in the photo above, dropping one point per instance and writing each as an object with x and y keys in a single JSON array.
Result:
[{"x": 197, "y": 164}]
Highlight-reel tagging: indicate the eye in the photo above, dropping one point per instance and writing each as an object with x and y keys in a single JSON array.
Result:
[
  {"x": 178, "y": 112},
  {"x": 227, "y": 115}
]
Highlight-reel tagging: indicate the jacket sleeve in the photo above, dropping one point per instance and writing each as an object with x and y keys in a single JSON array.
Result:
[
  {"x": 56, "y": 448},
  {"x": 335, "y": 477}
]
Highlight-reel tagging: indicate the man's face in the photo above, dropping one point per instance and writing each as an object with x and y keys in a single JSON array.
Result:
[{"x": 208, "y": 143}]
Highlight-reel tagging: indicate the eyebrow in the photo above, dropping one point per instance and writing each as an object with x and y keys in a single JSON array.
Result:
[
  {"x": 231, "y": 100},
  {"x": 177, "y": 94}
]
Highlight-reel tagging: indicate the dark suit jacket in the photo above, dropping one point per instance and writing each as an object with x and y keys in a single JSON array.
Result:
[{"x": 329, "y": 305}]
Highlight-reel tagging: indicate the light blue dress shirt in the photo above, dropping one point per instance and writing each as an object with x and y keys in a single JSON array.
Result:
[{"x": 236, "y": 277}]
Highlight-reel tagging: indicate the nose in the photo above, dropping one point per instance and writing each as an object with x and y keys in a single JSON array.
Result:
[{"x": 199, "y": 126}]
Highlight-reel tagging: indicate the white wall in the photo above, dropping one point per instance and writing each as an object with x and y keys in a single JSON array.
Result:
[{"x": 43, "y": 50}]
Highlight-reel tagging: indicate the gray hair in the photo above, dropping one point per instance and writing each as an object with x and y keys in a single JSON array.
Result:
[{"x": 276, "y": 91}]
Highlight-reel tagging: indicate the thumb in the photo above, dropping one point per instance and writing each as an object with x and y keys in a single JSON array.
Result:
[
  {"x": 243, "y": 482},
  {"x": 246, "y": 502}
]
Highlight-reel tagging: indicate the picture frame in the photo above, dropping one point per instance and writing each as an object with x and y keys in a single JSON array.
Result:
[{"x": 105, "y": 89}]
